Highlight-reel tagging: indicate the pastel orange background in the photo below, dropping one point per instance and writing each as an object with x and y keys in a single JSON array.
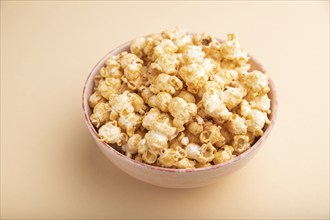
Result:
[{"x": 50, "y": 166}]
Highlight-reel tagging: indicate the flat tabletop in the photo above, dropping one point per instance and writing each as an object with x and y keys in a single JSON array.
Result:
[{"x": 50, "y": 165}]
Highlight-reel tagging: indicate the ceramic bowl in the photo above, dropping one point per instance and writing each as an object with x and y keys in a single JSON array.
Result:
[{"x": 167, "y": 177}]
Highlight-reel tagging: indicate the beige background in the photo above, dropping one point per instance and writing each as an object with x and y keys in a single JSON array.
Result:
[{"x": 50, "y": 166}]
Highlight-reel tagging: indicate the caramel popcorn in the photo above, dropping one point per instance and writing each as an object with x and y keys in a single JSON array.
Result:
[
  {"x": 101, "y": 113},
  {"x": 111, "y": 133},
  {"x": 181, "y": 111},
  {"x": 224, "y": 154},
  {"x": 166, "y": 83},
  {"x": 180, "y": 101},
  {"x": 95, "y": 98}
]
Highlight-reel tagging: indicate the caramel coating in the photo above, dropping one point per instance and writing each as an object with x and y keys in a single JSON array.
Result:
[{"x": 180, "y": 101}]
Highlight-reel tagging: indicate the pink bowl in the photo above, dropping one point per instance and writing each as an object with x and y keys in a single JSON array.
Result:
[{"x": 167, "y": 177}]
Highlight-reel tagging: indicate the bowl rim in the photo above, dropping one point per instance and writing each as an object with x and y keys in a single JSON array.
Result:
[{"x": 255, "y": 146}]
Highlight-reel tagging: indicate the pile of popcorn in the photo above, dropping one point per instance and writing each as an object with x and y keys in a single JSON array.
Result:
[{"x": 180, "y": 101}]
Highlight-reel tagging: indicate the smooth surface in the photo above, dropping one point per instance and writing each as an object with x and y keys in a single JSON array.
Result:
[{"x": 50, "y": 165}]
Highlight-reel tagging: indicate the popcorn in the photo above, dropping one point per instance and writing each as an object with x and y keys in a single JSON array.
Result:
[
  {"x": 170, "y": 157},
  {"x": 236, "y": 125},
  {"x": 203, "y": 165},
  {"x": 142, "y": 147},
  {"x": 193, "y": 54},
  {"x": 137, "y": 103},
  {"x": 129, "y": 122},
  {"x": 261, "y": 103},
  {"x": 223, "y": 155},
  {"x": 97, "y": 80},
  {"x": 166, "y": 63},
  {"x": 211, "y": 46},
  {"x": 178, "y": 36},
  {"x": 149, "y": 157},
  {"x": 192, "y": 138},
  {"x": 210, "y": 134},
  {"x": 127, "y": 59},
  {"x": 101, "y": 113},
  {"x": 187, "y": 96},
  {"x": 184, "y": 141},
  {"x": 207, "y": 153},
  {"x": 109, "y": 86},
  {"x": 156, "y": 141},
  {"x": 121, "y": 102},
  {"x": 214, "y": 86},
  {"x": 257, "y": 82},
  {"x": 193, "y": 151},
  {"x": 181, "y": 111},
  {"x": 153, "y": 70},
  {"x": 111, "y": 133},
  {"x": 138, "y": 157},
  {"x": 214, "y": 106},
  {"x": 180, "y": 101},
  {"x": 111, "y": 68},
  {"x": 150, "y": 118},
  {"x": 95, "y": 98},
  {"x": 255, "y": 121},
  {"x": 176, "y": 142},
  {"x": 244, "y": 108},
  {"x": 203, "y": 154},
  {"x": 162, "y": 101},
  {"x": 166, "y": 83},
  {"x": 210, "y": 66},
  {"x": 146, "y": 94},
  {"x": 151, "y": 43},
  {"x": 161, "y": 122},
  {"x": 165, "y": 47},
  {"x": 195, "y": 128},
  {"x": 185, "y": 163},
  {"x": 233, "y": 96},
  {"x": 241, "y": 143},
  {"x": 133, "y": 71},
  {"x": 131, "y": 146},
  {"x": 227, "y": 76},
  {"x": 201, "y": 39},
  {"x": 226, "y": 134},
  {"x": 194, "y": 76},
  {"x": 137, "y": 46},
  {"x": 232, "y": 54}
]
